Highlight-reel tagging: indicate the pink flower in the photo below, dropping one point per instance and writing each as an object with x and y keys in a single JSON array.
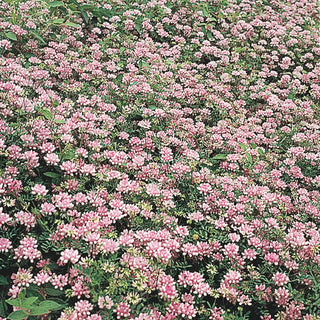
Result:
[
  {"x": 232, "y": 277},
  {"x": 32, "y": 159},
  {"x": 42, "y": 278},
  {"x": 39, "y": 189},
  {"x": 202, "y": 289},
  {"x": 205, "y": 188},
  {"x": 79, "y": 289},
  {"x": 216, "y": 314},
  {"x": 5, "y": 245},
  {"x": 69, "y": 167},
  {"x": 282, "y": 296},
  {"x": 47, "y": 208},
  {"x": 88, "y": 169},
  {"x": 187, "y": 310},
  {"x": 4, "y": 218},
  {"x": 25, "y": 218},
  {"x": 280, "y": 279},
  {"x": 94, "y": 317},
  {"x": 152, "y": 189},
  {"x": 23, "y": 278},
  {"x": 166, "y": 154},
  {"x": 138, "y": 161},
  {"x": 144, "y": 124},
  {"x": 249, "y": 254},
  {"x": 168, "y": 291},
  {"x": 122, "y": 310},
  {"x": 27, "y": 250},
  {"x": 59, "y": 281},
  {"x": 82, "y": 309},
  {"x": 52, "y": 158},
  {"x": 235, "y": 237},
  {"x": 6, "y": 44},
  {"x": 105, "y": 302},
  {"x": 231, "y": 250},
  {"x": 272, "y": 258},
  {"x": 188, "y": 298},
  {"x": 69, "y": 255},
  {"x": 109, "y": 245},
  {"x": 63, "y": 201}
]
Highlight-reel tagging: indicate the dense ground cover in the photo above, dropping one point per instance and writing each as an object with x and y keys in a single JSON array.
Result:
[{"x": 159, "y": 159}]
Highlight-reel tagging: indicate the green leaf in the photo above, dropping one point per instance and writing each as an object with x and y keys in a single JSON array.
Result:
[
  {"x": 51, "y": 305},
  {"x": 68, "y": 155},
  {"x": 38, "y": 311},
  {"x": 27, "y": 303},
  {"x": 260, "y": 151},
  {"x": 22, "y": 294},
  {"x": 32, "y": 291},
  {"x": 3, "y": 308},
  {"x": 29, "y": 55},
  {"x": 72, "y": 24},
  {"x": 36, "y": 35},
  {"x": 55, "y": 4},
  {"x": 61, "y": 302},
  {"x": 10, "y": 35},
  {"x": 119, "y": 78},
  {"x": 18, "y": 315},
  {"x": 122, "y": 49},
  {"x": 205, "y": 11},
  {"x": 88, "y": 7},
  {"x": 291, "y": 95},
  {"x": 138, "y": 27},
  {"x": 84, "y": 15},
  {"x": 243, "y": 146},
  {"x": 52, "y": 174},
  {"x": 72, "y": 6},
  {"x": 220, "y": 157},
  {"x": 54, "y": 292},
  {"x": 59, "y": 121},
  {"x": 58, "y": 21},
  {"x": 3, "y": 280},
  {"x": 75, "y": 2},
  {"x": 54, "y": 103},
  {"x": 249, "y": 157},
  {"x": 14, "y": 302},
  {"x": 143, "y": 64},
  {"x": 46, "y": 113}
]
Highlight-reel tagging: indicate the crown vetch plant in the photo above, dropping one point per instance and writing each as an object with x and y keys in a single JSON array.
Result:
[{"x": 159, "y": 159}]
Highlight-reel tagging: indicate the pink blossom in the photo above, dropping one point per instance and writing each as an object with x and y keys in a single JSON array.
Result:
[
  {"x": 109, "y": 245},
  {"x": 25, "y": 218},
  {"x": 282, "y": 296},
  {"x": 105, "y": 302},
  {"x": 39, "y": 190},
  {"x": 52, "y": 158},
  {"x": 122, "y": 310},
  {"x": 69, "y": 255},
  {"x": 272, "y": 258},
  {"x": 5, "y": 245},
  {"x": 280, "y": 279},
  {"x": 152, "y": 190},
  {"x": 27, "y": 250}
]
